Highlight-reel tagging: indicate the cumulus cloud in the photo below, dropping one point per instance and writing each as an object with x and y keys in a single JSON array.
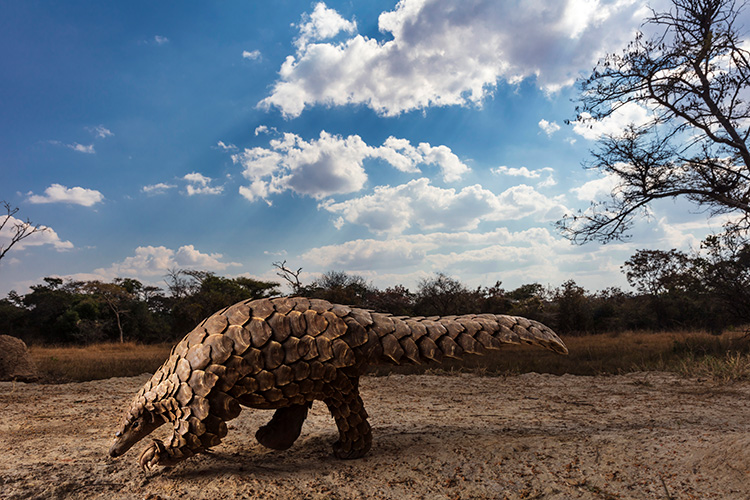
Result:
[
  {"x": 333, "y": 164},
  {"x": 613, "y": 124},
  {"x": 58, "y": 193},
  {"x": 46, "y": 237},
  {"x": 160, "y": 40},
  {"x": 149, "y": 261},
  {"x": 528, "y": 174},
  {"x": 251, "y": 54},
  {"x": 597, "y": 189},
  {"x": 548, "y": 128},
  {"x": 418, "y": 204},
  {"x": 521, "y": 171},
  {"x": 200, "y": 184},
  {"x": 159, "y": 188},
  {"x": 482, "y": 258},
  {"x": 322, "y": 24},
  {"x": 442, "y": 156},
  {"x": 454, "y": 52},
  {"x": 369, "y": 254}
]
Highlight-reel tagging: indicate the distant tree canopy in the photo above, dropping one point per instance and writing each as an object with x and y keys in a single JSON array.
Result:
[
  {"x": 694, "y": 77},
  {"x": 60, "y": 311}
]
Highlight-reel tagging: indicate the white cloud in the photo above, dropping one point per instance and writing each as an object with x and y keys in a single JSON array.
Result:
[
  {"x": 226, "y": 147},
  {"x": 57, "y": 193},
  {"x": 150, "y": 261},
  {"x": 513, "y": 257},
  {"x": 521, "y": 171},
  {"x": 322, "y": 24},
  {"x": 252, "y": 55},
  {"x": 418, "y": 204},
  {"x": 200, "y": 184},
  {"x": 100, "y": 131},
  {"x": 548, "y": 128},
  {"x": 597, "y": 189},
  {"x": 448, "y": 52},
  {"x": 160, "y": 40},
  {"x": 159, "y": 188},
  {"x": 400, "y": 154},
  {"x": 528, "y": 174},
  {"x": 81, "y": 148},
  {"x": 368, "y": 254},
  {"x": 333, "y": 164},
  {"x": 614, "y": 124},
  {"x": 46, "y": 237},
  {"x": 442, "y": 156}
]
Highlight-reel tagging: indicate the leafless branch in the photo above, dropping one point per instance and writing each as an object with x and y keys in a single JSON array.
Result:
[{"x": 18, "y": 230}]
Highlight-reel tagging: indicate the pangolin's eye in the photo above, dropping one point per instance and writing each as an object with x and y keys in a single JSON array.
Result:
[{"x": 135, "y": 424}]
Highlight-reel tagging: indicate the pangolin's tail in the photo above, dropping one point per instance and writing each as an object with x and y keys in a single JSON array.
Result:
[{"x": 419, "y": 339}]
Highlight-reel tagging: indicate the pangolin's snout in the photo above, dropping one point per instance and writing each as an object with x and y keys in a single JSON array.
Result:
[{"x": 114, "y": 450}]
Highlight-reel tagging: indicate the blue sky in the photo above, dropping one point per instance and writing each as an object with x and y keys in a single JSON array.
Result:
[{"x": 391, "y": 140}]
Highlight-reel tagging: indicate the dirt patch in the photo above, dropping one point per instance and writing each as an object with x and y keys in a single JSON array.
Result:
[{"x": 638, "y": 436}]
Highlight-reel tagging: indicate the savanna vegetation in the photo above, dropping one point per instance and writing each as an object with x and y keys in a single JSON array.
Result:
[
  {"x": 672, "y": 290},
  {"x": 686, "y": 313}
]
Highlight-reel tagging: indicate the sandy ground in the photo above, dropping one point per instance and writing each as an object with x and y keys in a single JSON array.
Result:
[{"x": 639, "y": 436}]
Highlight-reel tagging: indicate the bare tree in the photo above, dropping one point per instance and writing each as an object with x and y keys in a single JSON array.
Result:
[
  {"x": 18, "y": 230},
  {"x": 291, "y": 277},
  {"x": 694, "y": 79}
]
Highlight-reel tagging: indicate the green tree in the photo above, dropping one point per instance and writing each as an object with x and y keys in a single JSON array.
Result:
[
  {"x": 341, "y": 288},
  {"x": 574, "y": 309},
  {"x": 724, "y": 270},
  {"x": 198, "y": 294},
  {"x": 116, "y": 296},
  {"x": 442, "y": 295},
  {"x": 656, "y": 272},
  {"x": 397, "y": 300}
]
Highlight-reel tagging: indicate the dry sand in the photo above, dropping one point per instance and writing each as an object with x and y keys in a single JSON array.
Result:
[{"x": 638, "y": 436}]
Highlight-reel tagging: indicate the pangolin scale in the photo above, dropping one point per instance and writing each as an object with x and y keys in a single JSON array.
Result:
[{"x": 283, "y": 354}]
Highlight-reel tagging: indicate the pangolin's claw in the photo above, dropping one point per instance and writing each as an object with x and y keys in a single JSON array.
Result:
[{"x": 150, "y": 456}]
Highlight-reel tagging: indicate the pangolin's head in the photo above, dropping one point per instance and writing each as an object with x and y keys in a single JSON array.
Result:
[{"x": 138, "y": 423}]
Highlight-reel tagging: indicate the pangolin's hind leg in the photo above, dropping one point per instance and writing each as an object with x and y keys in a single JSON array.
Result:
[
  {"x": 284, "y": 428},
  {"x": 346, "y": 407}
]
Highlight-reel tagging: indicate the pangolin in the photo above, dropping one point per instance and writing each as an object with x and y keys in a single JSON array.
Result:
[{"x": 283, "y": 354}]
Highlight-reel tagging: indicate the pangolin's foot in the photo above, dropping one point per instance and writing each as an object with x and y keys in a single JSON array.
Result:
[
  {"x": 152, "y": 455},
  {"x": 348, "y": 450},
  {"x": 284, "y": 428},
  {"x": 158, "y": 454}
]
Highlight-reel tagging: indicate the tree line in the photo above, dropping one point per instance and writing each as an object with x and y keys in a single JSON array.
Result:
[{"x": 707, "y": 290}]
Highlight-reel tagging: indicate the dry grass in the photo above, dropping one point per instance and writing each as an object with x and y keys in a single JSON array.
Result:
[
  {"x": 692, "y": 354},
  {"x": 97, "y": 361}
]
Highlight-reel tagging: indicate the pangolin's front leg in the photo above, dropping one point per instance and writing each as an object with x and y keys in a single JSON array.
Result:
[
  {"x": 189, "y": 437},
  {"x": 347, "y": 409},
  {"x": 284, "y": 428}
]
